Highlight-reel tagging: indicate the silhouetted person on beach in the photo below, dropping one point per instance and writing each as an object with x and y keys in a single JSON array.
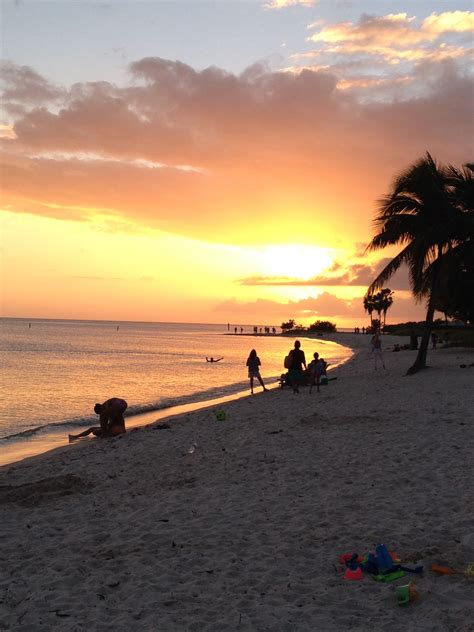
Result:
[
  {"x": 211, "y": 359},
  {"x": 295, "y": 372},
  {"x": 253, "y": 363},
  {"x": 112, "y": 422},
  {"x": 316, "y": 369},
  {"x": 376, "y": 343}
]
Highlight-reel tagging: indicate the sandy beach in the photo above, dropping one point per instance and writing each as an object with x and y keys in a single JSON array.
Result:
[{"x": 238, "y": 524}]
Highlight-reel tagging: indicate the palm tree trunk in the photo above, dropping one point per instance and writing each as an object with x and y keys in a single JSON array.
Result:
[{"x": 420, "y": 362}]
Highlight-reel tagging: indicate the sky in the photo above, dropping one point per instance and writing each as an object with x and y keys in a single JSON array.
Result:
[{"x": 218, "y": 161}]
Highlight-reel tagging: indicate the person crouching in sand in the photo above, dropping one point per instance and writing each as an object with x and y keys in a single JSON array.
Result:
[
  {"x": 111, "y": 419},
  {"x": 253, "y": 362}
]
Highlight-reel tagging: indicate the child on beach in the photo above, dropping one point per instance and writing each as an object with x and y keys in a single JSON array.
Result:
[
  {"x": 111, "y": 419},
  {"x": 316, "y": 369},
  {"x": 253, "y": 362}
]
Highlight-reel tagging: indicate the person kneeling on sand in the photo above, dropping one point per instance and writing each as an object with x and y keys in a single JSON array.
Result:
[{"x": 111, "y": 419}]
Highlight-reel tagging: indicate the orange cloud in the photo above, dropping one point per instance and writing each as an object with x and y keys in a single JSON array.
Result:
[
  {"x": 373, "y": 82},
  {"x": 396, "y": 38},
  {"x": 395, "y": 55},
  {"x": 6, "y": 131},
  {"x": 260, "y": 157},
  {"x": 388, "y": 30},
  {"x": 450, "y": 22},
  {"x": 338, "y": 275}
]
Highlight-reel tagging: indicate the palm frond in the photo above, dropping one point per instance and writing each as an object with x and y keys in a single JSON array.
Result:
[{"x": 428, "y": 211}]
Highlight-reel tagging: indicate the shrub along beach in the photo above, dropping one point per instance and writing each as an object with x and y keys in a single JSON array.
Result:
[{"x": 238, "y": 521}]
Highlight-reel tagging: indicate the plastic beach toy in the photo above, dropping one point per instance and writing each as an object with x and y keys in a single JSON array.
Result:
[
  {"x": 383, "y": 558},
  {"x": 448, "y": 570},
  {"x": 395, "y": 558},
  {"x": 406, "y": 593},
  {"x": 350, "y": 559},
  {"x": 403, "y": 594},
  {"x": 353, "y": 574},
  {"x": 220, "y": 415},
  {"x": 389, "y": 577},
  {"x": 443, "y": 570}
]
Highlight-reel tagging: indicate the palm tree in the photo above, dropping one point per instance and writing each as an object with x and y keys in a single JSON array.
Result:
[
  {"x": 379, "y": 302},
  {"x": 386, "y": 301},
  {"x": 369, "y": 306},
  {"x": 456, "y": 295},
  {"x": 428, "y": 214},
  {"x": 378, "y": 308}
]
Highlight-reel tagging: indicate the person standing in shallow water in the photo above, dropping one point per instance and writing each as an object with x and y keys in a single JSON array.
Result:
[
  {"x": 111, "y": 420},
  {"x": 295, "y": 372},
  {"x": 253, "y": 364}
]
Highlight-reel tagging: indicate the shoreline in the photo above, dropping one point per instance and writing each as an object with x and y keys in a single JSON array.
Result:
[
  {"x": 58, "y": 440},
  {"x": 34, "y": 445},
  {"x": 239, "y": 524}
]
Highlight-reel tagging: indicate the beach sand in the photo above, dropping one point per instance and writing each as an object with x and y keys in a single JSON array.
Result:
[{"x": 239, "y": 524}]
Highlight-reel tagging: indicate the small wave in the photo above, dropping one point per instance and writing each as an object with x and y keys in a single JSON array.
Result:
[
  {"x": 200, "y": 396},
  {"x": 133, "y": 410},
  {"x": 24, "y": 433},
  {"x": 30, "y": 432}
]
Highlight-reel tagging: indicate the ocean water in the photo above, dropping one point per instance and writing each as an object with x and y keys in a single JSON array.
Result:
[{"x": 53, "y": 371}]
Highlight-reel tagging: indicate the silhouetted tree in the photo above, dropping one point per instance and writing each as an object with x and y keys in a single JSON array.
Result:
[
  {"x": 369, "y": 306},
  {"x": 323, "y": 325},
  {"x": 428, "y": 212},
  {"x": 385, "y": 301}
]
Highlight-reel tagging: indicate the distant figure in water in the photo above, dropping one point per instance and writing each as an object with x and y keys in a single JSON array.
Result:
[
  {"x": 211, "y": 359},
  {"x": 111, "y": 420},
  {"x": 253, "y": 362}
]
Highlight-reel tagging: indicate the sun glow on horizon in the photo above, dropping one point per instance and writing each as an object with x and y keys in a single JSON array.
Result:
[{"x": 293, "y": 260}]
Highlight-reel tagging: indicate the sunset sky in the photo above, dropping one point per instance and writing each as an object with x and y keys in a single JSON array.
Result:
[{"x": 218, "y": 161}]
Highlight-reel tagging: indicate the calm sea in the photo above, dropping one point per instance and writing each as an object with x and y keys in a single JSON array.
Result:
[{"x": 53, "y": 371}]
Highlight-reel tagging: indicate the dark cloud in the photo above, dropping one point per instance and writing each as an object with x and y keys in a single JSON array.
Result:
[{"x": 22, "y": 85}]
